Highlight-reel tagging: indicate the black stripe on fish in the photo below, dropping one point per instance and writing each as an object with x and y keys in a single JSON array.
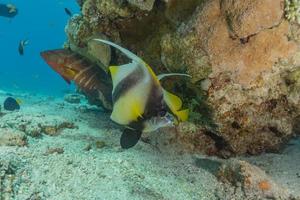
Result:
[
  {"x": 127, "y": 83},
  {"x": 154, "y": 103}
]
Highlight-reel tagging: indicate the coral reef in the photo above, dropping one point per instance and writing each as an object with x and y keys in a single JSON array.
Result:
[{"x": 243, "y": 57}]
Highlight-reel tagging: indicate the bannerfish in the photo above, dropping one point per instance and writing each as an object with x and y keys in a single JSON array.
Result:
[
  {"x": 8, "y": 10},
  {"x": 68, "y": 12},
  {"x": 22, "y": 45},
  {"x": 11, "y": 104},
  {"x": 88, "y": 77},
  {"x": 139, "y": 101}
]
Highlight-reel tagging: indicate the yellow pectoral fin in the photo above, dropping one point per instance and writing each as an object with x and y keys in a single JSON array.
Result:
[
  {"x": 173, "y": 101},
  {"x": 183, "y": 115}
]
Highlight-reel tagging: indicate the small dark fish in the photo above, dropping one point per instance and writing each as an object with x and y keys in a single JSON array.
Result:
[
  {"x": 8, "y": 10},
  {"x": 68, "y": 12},
  {"x": 11, "y": 104},
  {"x": 22, "y": 45}
]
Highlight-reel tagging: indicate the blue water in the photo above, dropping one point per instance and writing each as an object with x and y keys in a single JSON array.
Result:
[{"x": 42, "y": 22}]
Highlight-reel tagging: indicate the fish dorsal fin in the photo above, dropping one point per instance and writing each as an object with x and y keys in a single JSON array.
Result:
[
  {"x": 173, "y": 101},
  {"x": 135, "y": 59},
  {"x": 128, "y": 53},
  {"x": 175, "y": 104},
  {"x": 161, "y": 76}
]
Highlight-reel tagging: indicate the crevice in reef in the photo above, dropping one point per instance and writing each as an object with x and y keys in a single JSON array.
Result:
[{"x": 220, "y": 142}]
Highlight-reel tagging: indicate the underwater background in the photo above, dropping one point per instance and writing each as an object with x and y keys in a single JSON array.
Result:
[
  {"x": 42, "y": 23},
  {"x": 226, "y": 126}
]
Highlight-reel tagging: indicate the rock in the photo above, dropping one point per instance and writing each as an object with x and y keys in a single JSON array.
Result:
[
  {"x": 54, "y": 150},
  {"x": 100, "y": 144},
  {"x": 104, "y": 8},
  {"x": 185, "y": 138},
  {"x": 143, "y": 4},
  {"x": 99, "y": 52},
  {"x": 8, "y": 179},
  {"x": 293, "y": 80},
  {"x": 250, "y": 182},
  {"x": 73, "y": 98},
  {"x": 249, "y": 17},
  {"x": 35, "y": 125},
  {"x": 245, "y": 60},
  {"x": 11, "y": 137},
  {"x": 88, "y": 147},
  {"x": 245, "y": 74},
  {"x": 54, "y": 127}
]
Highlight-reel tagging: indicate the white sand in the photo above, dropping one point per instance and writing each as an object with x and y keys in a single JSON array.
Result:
[
  {"x": 283, "y": 167},
  {"x": 110, "y": 172}
]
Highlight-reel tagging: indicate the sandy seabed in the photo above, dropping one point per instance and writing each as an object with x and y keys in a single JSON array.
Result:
[{"x": 84, "y": 160}]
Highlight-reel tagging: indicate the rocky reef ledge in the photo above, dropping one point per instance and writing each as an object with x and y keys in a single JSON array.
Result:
[{"x": 243, "y": 56}]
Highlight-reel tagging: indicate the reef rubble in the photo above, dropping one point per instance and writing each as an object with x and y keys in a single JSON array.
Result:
[{"x": 243, "y": 57}]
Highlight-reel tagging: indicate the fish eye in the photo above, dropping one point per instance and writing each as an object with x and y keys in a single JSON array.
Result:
[{"x": 162, "y": 113}]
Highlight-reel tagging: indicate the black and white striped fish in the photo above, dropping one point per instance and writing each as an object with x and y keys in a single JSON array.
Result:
[{"x": 139, "y": 101}]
